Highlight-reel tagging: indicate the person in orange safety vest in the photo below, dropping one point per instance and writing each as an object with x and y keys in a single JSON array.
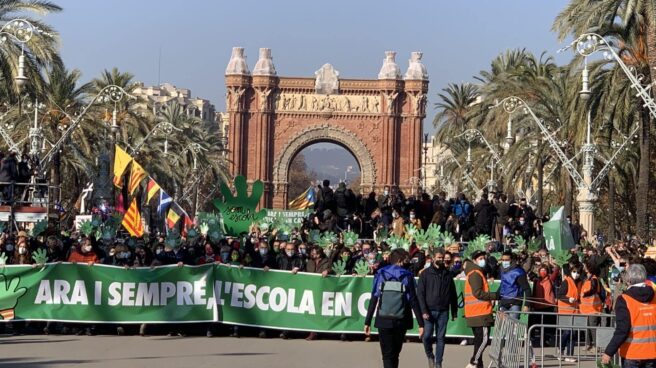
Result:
[{"x": 635, "y": 331}]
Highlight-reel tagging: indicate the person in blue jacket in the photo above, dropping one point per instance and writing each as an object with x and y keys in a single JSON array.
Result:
[
  {"x": 515, "y": 288},
  {"x": 392, "y": 327}
]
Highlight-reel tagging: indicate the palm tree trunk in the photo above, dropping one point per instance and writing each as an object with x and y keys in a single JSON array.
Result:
[
  {"x": 611, "y": 209},
  {"x": 642, "y": 192},
  {"x": 540, "y": 191}
]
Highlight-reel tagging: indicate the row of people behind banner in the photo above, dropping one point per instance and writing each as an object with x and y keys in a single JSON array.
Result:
[{"x": 494, "y": 214}]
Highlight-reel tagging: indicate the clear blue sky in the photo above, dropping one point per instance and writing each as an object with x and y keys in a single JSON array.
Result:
[{"x": 458, "y": 38}]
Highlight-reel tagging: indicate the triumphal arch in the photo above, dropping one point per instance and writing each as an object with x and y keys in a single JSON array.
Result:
[{"x": 272, "y": 118}]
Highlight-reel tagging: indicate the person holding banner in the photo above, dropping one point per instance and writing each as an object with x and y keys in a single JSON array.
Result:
[
  {"x": 478, "y": 306},
  {"x": 394, "y": 300}
]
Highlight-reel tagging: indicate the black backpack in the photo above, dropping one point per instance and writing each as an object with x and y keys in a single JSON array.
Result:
[{"x": 392, "y": 299}]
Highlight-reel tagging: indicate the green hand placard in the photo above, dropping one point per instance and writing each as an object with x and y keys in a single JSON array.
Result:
[
  {"x": 40, "y": 256},
  {"x": 239, "y": 211},
  {"x": 9, "y": 295}
]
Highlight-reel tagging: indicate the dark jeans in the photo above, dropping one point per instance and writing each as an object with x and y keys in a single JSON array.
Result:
[
  {"x": 436, "y": 323},
  {"x": 567, "y": 342},
  {"x": 590, "y": 333},
  {"x": 391, "y": 343},
  {"x": 628, "y": 363},
  {"x": 481, "y": 338}
]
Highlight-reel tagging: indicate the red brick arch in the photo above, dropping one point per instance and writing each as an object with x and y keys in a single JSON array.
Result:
[{"x": 273, "y": 118}]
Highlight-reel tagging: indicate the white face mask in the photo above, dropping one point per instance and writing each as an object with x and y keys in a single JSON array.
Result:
[
  {"x": 575, "y": 275},
  {"x": 86, "y": 248},
  {"x": 481, "y": 263},
  {"x": 22, "y": 250},
  {"x": 427, "y": 264}
]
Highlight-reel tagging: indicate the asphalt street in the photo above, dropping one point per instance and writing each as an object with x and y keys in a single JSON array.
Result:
[{"x": 40, "y": 351}]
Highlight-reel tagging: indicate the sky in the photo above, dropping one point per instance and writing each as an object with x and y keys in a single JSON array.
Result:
[{"x": 459, "y": 38}]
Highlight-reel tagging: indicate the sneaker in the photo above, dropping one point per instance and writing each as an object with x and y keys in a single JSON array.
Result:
[
  {"x": 283, "y": 335},
  {"x": 262, "y": 334},
  {"x": 343, "y": 337},
  {"x": 367, "y": 339},
  {"x": 431, "y": 362},
  {"x": 209, "y": 333},
  {"x": 471, "y": 366},
  {"x": 46, "y": 331},
  {"x": 120, "y": 331},
  {"x": 463, "y": 343},
  {"x": 570, "y": 360},
  {"x": 312, "y": 336},
  {"x": 142, "y": 329}
]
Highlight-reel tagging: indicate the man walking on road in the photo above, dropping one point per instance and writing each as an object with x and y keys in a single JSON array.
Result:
[
  {"x": 635, "y": 333},
  {"x": 478, "y": 306},
  {"x": 394, "y": 299},
  {"x": 436, "y": 291}
]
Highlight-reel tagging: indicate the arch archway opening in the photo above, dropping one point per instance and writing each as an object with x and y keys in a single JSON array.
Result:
[{"x": 323, "y": 160}]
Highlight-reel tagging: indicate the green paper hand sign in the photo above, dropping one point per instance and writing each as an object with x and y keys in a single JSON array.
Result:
[
  {"x": 362, "y": 268},
  {"x": 3, "y": 259},
  {"x": 9, "y": 295},
  {"x": 40, "y": 256},
  {"x": 238, "y": 210}
]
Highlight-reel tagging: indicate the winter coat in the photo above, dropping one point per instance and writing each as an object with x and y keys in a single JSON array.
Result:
[
  {"x": 623, "y": 319},
  {"x": 477, "y": 289},
  {"x": 312, "y": 266},
  {"x": 436, "y": 291},
  {"x": 395, "y": 273}
]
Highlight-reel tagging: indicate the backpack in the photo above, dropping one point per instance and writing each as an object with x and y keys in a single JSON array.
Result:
[{"x": 392, "y": 300}]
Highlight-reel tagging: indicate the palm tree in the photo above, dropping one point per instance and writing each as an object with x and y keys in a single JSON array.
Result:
[
  {"x": 633, "y": 21},
  {"x": 40, "y": 52}
]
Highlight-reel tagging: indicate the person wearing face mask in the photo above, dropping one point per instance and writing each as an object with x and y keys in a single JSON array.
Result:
[
  {"x": 568, "y": 304},
  {"x": 224, "y": 254},
  {"x": 83, "y": 253},
  {"x": 515, "y": 289},
  {"x": 211, "y": 255},
  {"x": 478, "y": 305},
  {"x": 437, "y": 294},
  {"x": 416, "y": 222},
  {"x": 394, "y": 321},
  {"x": 288, "y": 259},
  {"x": 398, "y": 224},
  {"x": 591, "y": 302},
  {"x": 318, "y": 263},
  {"x": 456, "y": 268}
]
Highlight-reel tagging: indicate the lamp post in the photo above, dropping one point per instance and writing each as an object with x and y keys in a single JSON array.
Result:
[
  {"x": 164, "y": 127},
  {"x": 471, "y": 135},
  {"x": 586, "y": 185},
  {"x": 423, "y": 166}
]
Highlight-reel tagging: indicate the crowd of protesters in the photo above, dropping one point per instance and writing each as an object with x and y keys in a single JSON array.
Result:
[{"x": 595, "y": 276}]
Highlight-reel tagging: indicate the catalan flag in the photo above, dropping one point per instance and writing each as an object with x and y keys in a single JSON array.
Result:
[
  {"x": 151, "y": 189},
  {"x": 303, "y": 201},
  {"x": 173, "y": 216},
  {"x": 132, "y": 220},
  {"x": 137, "y": 174},
  {"x": 121, "y": 161}
]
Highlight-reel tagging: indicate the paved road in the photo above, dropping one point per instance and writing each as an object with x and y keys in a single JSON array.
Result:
[{"x": 38, "y": 351}]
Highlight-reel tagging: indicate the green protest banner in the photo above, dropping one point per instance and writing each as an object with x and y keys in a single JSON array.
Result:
[
  {"x": 557, "y": 233},
  {"x": 208, "y": 293}
]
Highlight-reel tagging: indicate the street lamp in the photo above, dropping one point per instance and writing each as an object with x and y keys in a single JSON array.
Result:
[
  {"x": 586, "y": 184},
  {"x": 166, "y": 128},
  {"x": 471, "y": 135}
]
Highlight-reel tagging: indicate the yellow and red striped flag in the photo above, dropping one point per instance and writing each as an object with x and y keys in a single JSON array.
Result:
[
  {"x": 132, "y": 220},
  {"x": 151, "y": 189},
  {"x": 173, "y": 215},
  {"x": 121, "y": 161},
  {"x": 137, "y": 174}
]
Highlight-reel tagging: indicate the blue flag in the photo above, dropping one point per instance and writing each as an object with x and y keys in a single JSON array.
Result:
[{"x": 164, "y": 202}]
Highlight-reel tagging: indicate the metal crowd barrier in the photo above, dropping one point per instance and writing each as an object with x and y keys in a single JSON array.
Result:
[
  {"x": 536, "y": 339},
  {"x": 508, "y": 339}
]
